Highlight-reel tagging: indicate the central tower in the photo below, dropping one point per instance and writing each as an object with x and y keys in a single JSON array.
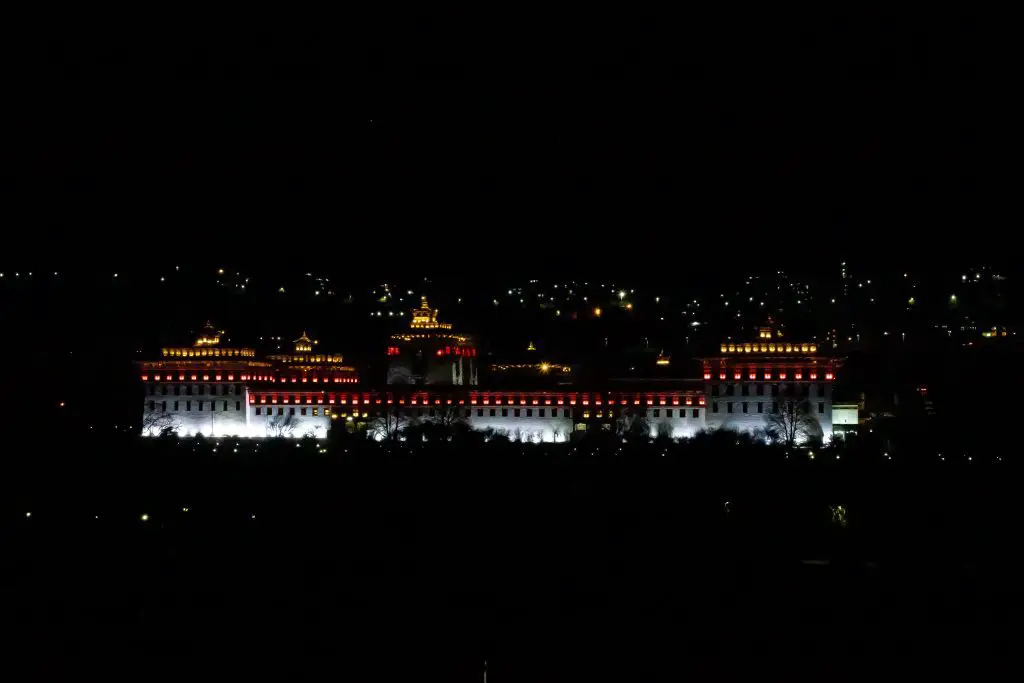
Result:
[{"x": 430, "y": 353}]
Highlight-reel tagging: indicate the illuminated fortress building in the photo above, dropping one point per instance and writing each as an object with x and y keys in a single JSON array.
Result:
[{"x": 216, "y": 389}]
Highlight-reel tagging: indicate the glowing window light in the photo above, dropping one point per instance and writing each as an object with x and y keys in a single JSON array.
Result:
[
  {"x": 661, "y": 401},
  {"x": 547, "y": 401},
  {"x": 252, "y": 399},
  {"x": 320, "y": 400},
  {"x": 636, "y": 401},
  {"x": 181, "y": 377},
  {"x": 707, "y": 375},
  {"x": 814, "y": 375},
  {"x": 273, "y": 399},
  {"x": 304, "y": 380},
  {"x": 315, "y": 380},
  {"x": 535, "y": 402},
  {"x": 586, "y": 402},
  {"x": 829, "y": 375},
  {"x": 798, "y": 375},
  {"x": 285, "y": 399},
  {"x": 572, "y": 401},
  {"x": 437, "y": 401},
  {"x": 721, "y": 375},
  {"x": 701, "y": 401},
  {"x": 767, "y": 374},
  {"x": 497, "y": 401},
  {"x": 145, "y": 378},
  {"x": 675, "y": 401},
  {"x": 447, "y": 402},
  {"x": 401, "y": 401},
  {"x": 330, "y": 400},
  {"x": 689, "y": 401},
  {"x": 206, "y": 378},
  {"x": 737, "y": 375},
  {"x": 231, "y": 378},
  {"x": 753, "y": 375}
]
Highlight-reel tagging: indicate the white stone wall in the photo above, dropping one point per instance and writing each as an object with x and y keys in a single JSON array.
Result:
[
  {"x": 682, "y": 424},
  {"x": 554, "y": 426},
  {"x": 817, "y": 394},
  {"x": 223, "y": 409}
]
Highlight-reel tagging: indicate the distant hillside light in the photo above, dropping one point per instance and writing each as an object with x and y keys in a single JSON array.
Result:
[{"x": 622, "y": 294}]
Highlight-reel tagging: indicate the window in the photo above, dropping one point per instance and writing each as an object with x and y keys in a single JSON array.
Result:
[
  {"x": 316, "y": 412},
  {"x": 188, "y": 390},
  {"x": 302, "y": 411},
  {"x": 775, "y": 390},
  {"x": 760, "y": 390},
  {"x": 259, "y": 411},
  {"x": 280, "y": 410},
  {"x": 480, "y": 412},
  {"x": 728, "y": 407},
  {"x": 745, "y": 390},
  {"x": 493, "y": 412},
  {"x": 175, "y": 405},
  {"x": 696, "y": 413},
  {"x": 504, "y": 412},
  {"x": 744, "y": 406},
  {"x": 188, "y": 405},
  {"x": 202, "y": 389},
  {"x": 529, "y": 412},
  {"x": 760, "y": 407},
  {"x": 215, "y": 390},
  {"x": 152, "y": 406},
  {"x": 515, "y": 412},
  {"x": 668, "y": 412},
  {"x": 730, "y": 389},
  {"x": 821, "y": 390},
  {"x": 291, "y": 411},
  {"x": 565, "y": 412},
  {"x": 165, "y": 389},
  {"x": 238, "y": 405},
  {"x": 821, "y": 407},
  {"x": 540, "y": 412},
  {"x": 200, "y": 406},
  {"x": 775, "y": 406},
  {"x": 657, "y": 412},
  {"x": 714, "y": 406},
  {"x": 226, "y": 406},
  {"x": 714, "y": 390}
]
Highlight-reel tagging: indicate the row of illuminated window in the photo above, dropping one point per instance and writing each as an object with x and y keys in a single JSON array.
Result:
[
  {"x": 775, "y": 389},
  {"x": 768, "y": 374},
  {"x": 457, "y": 351},
  {"x": 315, "y": 412},
  {"x": 655, "y": 412},
  {"x": 769, "y": 348},
  {"x": 177, "y": 405},
  {"x": 159, "y": 377},
  {"x": 761, "y": 407},
  {"x": 197, "y": 389},
  {"x": 209, "y": 353}
]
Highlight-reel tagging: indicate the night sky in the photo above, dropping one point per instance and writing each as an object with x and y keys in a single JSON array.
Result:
[{"x": 684, "y": 143}]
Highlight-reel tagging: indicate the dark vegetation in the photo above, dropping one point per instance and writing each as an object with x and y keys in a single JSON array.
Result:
[{"x": 595, "y": 557}]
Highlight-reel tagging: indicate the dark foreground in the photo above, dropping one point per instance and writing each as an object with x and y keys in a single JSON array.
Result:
[{"x": 550, "y": 569}]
